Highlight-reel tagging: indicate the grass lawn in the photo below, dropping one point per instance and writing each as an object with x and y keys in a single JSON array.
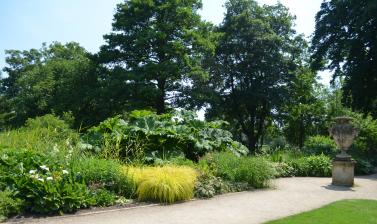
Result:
[{"x": 340, "y": 212}]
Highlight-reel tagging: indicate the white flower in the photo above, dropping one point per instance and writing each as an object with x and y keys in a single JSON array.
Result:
[
  {"x": 32, "y": 171},
  {"x": 41, "y": 179},
  {"x": 65, "y": 171},
  {"x": 44, "y": 167},
  {"x": 49, "y": 178}
]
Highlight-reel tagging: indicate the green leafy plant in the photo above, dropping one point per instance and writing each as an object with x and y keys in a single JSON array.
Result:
[
  {"x": 208, "y": 186},
  {"x": 284, "y": 169},
  {"x": 320, "y": 145},
  {"x": 295, "y": 163},
  {"x": 365, "y": 144},
  {"x": 363, "y": 166},
  {"x": 103, "y": 197},
  {"x": 256, "y": 171},
  {"x": 312, "y": 166},
  {"x": 9, "y": 205},
  {"x": 43, "y": 180},
  {"x": 145, "y": 135},
  {"x": 47, "y": 195}
]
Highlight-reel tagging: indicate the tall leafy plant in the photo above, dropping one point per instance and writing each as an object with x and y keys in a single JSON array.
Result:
[{"x": 143, "y": 133}]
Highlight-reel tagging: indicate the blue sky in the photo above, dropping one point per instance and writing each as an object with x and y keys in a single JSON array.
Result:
[{"x": 26, "y": 24}]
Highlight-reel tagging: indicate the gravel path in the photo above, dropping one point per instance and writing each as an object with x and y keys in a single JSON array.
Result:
[{"x": 289, "y": 196}]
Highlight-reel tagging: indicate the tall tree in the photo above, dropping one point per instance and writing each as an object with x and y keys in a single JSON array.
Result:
[
  {"x": 156, "y": 47},
  {"x": 255, "y": 60},
  {"x": 304, "y": 114},
  {"x": 57, "y": 78},
  {"x": 345, "y": 41}
]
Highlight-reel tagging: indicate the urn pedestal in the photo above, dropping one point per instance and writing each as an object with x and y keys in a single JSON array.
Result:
[
  {"x": 343, "y": 172},
  {"x": 343, "y": 166}
]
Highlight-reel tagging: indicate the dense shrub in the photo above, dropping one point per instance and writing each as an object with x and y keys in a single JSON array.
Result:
[
  {"x": 9, "y": 205},
  {"x": 284, "y": 170},
  {"x": 165, "y": 184},
  {"x": 363, "y": 166},
  {"x": 49, "y": 121},
  {"x": 102, "y": 173},
  {"x": 320, "y": 145},
  {"x": 103, "y": 197},
  {"x": 48, "y": 194},
  {"x": 255, "y": 171},
  {"x": 145, "y": 135},
  {"x": 365, "y": 145},
  {"x": 295, "y": 163},
  {"x": 278, "y": 142},
  {"x": 208, "y": 185},
  {"x": 312, "y": 166}
]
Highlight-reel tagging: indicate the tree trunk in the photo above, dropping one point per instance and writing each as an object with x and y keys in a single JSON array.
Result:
[
  {"x": 160, "y": 101},
  {"x": 252, "y": 140},
  {"x": 301, "y": 133}
]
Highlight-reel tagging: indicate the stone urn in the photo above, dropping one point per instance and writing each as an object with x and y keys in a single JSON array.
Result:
[{"x": 343, "y": 132}]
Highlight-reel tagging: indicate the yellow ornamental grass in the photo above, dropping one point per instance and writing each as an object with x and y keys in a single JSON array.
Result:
[{"x": 165, "y": 184}]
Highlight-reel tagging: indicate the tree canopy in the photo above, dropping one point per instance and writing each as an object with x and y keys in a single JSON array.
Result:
[
  {"x": 253, "y": 64},
  {"x": 157, "y": 47},
  {"x": 56, "y": 78},
  {"x": 345, "y": 41}
]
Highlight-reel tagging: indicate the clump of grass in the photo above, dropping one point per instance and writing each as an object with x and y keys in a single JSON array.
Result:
[
  {"x": 42, "y": 134},
  {"x": 165, "y": 184},
  {"x": 102, "y": 173}
]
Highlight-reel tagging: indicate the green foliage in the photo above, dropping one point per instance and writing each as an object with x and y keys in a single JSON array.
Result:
[
  {"x": 304, "y": 114},
  {"x": 9, "y": 205},
  {"x": 154, "y": 46},
  {"x": 363, "y": 166},
  {"x": 312, "y": 166},
  {"x": 103, "y": 197},
  {"x": 343, "y": 42},
  {"x": 253, "y": 64},
  {"x": 365, "y": 144},
  {"x": 102, "y": 173},
  {"x": 320, "y": 145},
  {"x": 48, "y": 121},
  {"x": 43, "y": 180},
  {"x": 255, "y": 171},
  {"x": 284, "y": 169},
  {"x": 144, "y": 133},
  {"x": 294, "y": 163},
  {"x": 56, "y": 78},
  {"x": 60, "y": 195},
  {"x": 209, "y": 185},
  {"x": 44, "y": 134},
  {"x": 165, "y": 184},
  {"x": 277, "y": 143}
]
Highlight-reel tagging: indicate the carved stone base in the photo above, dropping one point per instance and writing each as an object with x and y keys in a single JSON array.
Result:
[{"x": 343, "y": 172}]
